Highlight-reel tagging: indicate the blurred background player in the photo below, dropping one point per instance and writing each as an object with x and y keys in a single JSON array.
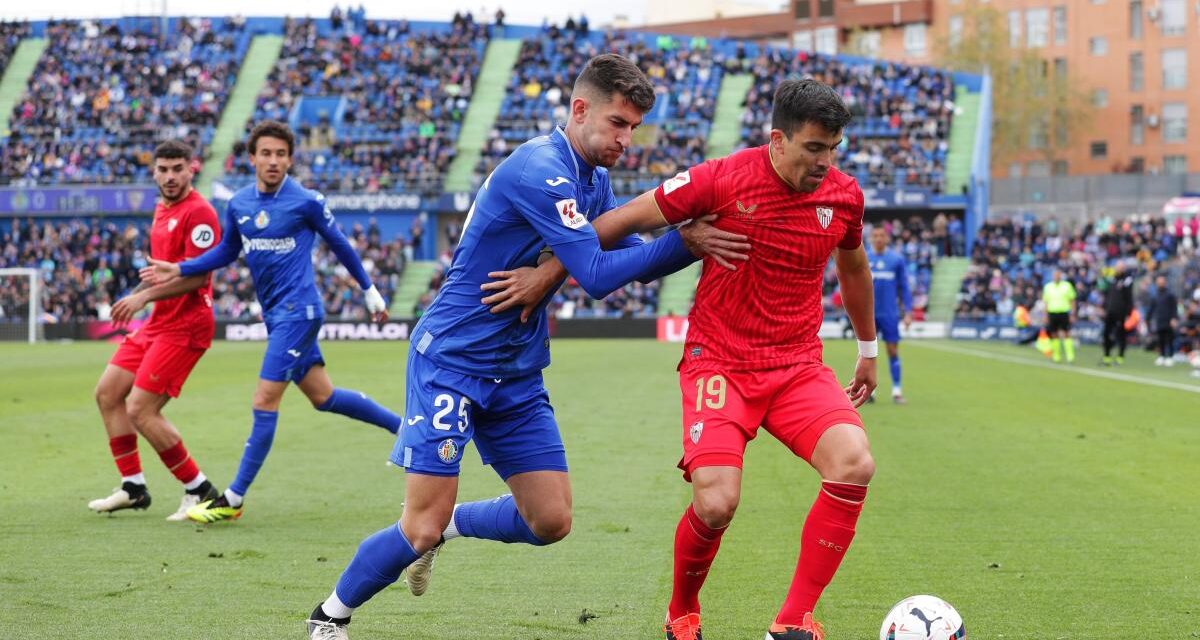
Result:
[
  {"x": 1118, "y": 304},
  {"x": 152, "y": 362},
  {"x": 1059, "y": 296},
  {"x": 483, "y": 367},
  {"x": 276, "y": 221},
  {"x": 890, "y": 274},
  {"x": 1163, "y": 317}
]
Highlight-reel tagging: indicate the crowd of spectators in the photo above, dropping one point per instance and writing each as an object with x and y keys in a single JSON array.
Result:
[
  {"x": 686, "y": 76},
  {"x": 397, "y": 98},
  {"x": 902, "y": 114},
  {"x": 104, "y": 93},
  {"x": 11, "y": 34},
  {"x": 1013, "y": 259},
  {"x": 86, "y": 265}
]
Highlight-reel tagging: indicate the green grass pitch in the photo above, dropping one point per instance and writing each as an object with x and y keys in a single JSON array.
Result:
[{"x": 1041, "y": 502}]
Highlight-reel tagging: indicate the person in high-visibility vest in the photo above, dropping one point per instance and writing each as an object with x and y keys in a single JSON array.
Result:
[{"x": 1059, "y": 296}]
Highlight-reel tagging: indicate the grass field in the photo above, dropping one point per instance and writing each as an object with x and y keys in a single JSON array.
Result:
[{"x": 1043, "y": 503}]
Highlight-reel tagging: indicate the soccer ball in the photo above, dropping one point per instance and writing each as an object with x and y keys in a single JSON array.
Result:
[{"x": 923, "y": 618}]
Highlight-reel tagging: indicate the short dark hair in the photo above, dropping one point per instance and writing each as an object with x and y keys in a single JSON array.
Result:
[
  {"x": 610, "y": 73},
  {"x": 271, "y": 129},
  {"x": 173, "y": 149},
  {"x": 798, "y": 102}
]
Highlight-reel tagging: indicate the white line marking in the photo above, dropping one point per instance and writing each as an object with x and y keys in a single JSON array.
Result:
[{"x": 1058, "y": 367}]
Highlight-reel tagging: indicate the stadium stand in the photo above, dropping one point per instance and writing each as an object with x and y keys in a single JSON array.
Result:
[
  {"x": 385, "y": 100},
  {"x": 902, "y": 114},
  {"x": 686, "y": 75},
  {"x": 11, "y": 34},
  {"x": 105, "y": 92},
  {"x": 89, "y": 263},
  {"x": 1013, "y": 259}
]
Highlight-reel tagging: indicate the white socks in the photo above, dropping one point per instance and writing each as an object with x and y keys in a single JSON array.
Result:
[
  {"x": 139, "y": 478},
  {"x": 451, "y": 531},
  {"x": 234, "y": 499},
  {"x": 197, "y": 481},
  {"x": 334, "y": 608}
]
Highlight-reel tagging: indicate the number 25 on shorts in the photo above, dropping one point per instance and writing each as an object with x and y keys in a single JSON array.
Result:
[
  {"x": 710, "y": 392},
  {"x": 444, "y": 402}
]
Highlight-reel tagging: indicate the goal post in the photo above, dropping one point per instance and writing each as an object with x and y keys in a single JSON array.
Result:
[{"x": 20, "y": 305}]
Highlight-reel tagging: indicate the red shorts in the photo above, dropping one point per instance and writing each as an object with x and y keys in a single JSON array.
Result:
[
  {"x": 160, "y": 367},
  {"x": 723, "y": 409}
]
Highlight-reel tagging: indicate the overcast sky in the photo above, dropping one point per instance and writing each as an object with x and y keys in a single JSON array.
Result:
[{"x": 599, "y": 12}]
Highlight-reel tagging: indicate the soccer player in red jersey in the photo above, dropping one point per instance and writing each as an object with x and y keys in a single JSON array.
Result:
[
  {"x": 152, "y": 363},
  {"x": 752, "y": 356}
]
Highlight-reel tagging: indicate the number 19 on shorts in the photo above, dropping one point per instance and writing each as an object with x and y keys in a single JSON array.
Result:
[{"x": 710, "y": 392}]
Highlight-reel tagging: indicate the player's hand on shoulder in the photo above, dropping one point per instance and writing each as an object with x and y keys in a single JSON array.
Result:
[
  {"x": 158, "y": 272},
  {"x": 704, "y": 239}
]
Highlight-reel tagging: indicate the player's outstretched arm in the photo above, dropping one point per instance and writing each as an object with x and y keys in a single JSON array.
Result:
[
  {"x": 225, "y": 252},
  {"x": 320, "y": 218},
  {"x": 858, "y": 297},
  {"x": 127, "y": 307}
]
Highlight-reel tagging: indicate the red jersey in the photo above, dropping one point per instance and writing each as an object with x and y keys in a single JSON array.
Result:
[
  {"x": 180, "y": 231},
  {"x": 768, "y": 312}
]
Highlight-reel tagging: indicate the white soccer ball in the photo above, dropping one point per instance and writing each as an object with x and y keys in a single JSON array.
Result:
[{"x": 923, "y": 618}]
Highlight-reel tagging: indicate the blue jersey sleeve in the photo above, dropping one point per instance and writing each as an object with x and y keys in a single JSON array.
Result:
[
  {"x": 225, "y": 252},
  {"x": 902, "y": 283},
  {"x": 674, "y": 261},
  {"x": 320, "y": 218},
  {"x": 552, "y": 212}
]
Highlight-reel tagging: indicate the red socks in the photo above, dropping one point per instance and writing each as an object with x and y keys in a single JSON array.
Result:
[
  {"x": 180, "y": 462},
  {"x": 696, "y": 545},
  {"x": 125, "y": 454},
  {"x": 823, "y": 542}
]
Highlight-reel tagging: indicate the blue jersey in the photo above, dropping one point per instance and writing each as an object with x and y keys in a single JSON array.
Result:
[
  {"x": 277, "y": 230},
  {"x": 544, "y": 194},
  {"x": 891, "y": 284}
]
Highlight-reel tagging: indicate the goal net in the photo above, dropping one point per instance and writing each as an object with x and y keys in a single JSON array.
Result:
[{"x": 20, "y": 305}]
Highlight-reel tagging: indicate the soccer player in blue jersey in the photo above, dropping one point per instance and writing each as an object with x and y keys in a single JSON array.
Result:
[
  {"x": 891, "y": 290},
  {"x": 275, "y": 221},
  {"x": 477, "y": 375}
]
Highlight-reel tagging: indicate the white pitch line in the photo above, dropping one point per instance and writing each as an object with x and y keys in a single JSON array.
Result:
[{"x": 1057, "y": 367}]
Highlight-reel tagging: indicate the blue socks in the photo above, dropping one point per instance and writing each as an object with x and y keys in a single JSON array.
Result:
[
  {"x": 894, "y": 366},
  {"x": 495, "y": 519},
  {"x": 378, "y": 563},
  {"x": 355, "y": 404},
  {"x": 258, "y": 445}
]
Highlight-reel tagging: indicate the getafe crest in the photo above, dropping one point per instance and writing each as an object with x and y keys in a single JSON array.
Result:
[
  {"x": 824, "y": 216},
  {"x": 262, "y": 219},
  {"x": 448, "y": 451}
]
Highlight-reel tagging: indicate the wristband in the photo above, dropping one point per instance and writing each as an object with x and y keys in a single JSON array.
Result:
[{"x": 868, "y": 348}]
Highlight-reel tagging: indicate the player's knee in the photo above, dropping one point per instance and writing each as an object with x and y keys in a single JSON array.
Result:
[
  {"x": 715, "y": 509},
  {"x": 107, "y": 398},
  {"x": 319, "y": 398},
  {"x": 266, "y": 400},
  {"x": 856, "y": 466},
  {"x": 551, "y": 528},
  {"x": 423, "y": 534},
  {"x": 140, "y": 411}
]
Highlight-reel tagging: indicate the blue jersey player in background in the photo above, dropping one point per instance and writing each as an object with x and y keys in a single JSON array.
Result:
[
  {"x": 475, "y": 373},
  {"x": 891, "y": 290},
  {"x": 275, "y": 222}
]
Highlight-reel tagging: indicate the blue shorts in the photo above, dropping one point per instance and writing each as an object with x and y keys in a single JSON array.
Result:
[
  {"x": 888, "y": 329},
  {"x": 291, "y": 350},
  {"x": 511, "y": 421}
]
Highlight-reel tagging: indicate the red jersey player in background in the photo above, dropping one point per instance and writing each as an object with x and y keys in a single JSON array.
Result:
[
  {"x": 152, "y": 363},
  {"x": 752, "y": 356}
]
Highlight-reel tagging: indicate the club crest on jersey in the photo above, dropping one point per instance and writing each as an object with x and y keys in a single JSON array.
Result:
[
  {"x": 448, "y": 451},
  {"x": 202, "y": 236},
  {"x": 679, "y": 180},
  {"x": 262, "y": 219},
  {"x": 824, "y": 216},
  {"x": 695, "y": 431},
  {"x": 171, "y": 224},
  {"x": 567, "y": 211}
]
